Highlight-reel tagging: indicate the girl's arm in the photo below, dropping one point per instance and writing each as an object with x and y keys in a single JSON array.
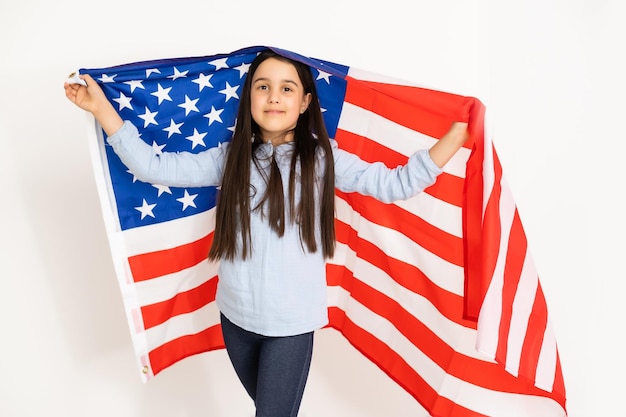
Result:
[
  {"x": 91, "y": 98},
  {"x": 175, "y": 169},
  {"x": 178, "y": 169},
  {"x": 374, "y": 179},
  {"x": 445, "y": 148}
]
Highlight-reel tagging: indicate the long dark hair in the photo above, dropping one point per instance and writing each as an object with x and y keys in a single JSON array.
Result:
[{"x": 233, "y": 204}]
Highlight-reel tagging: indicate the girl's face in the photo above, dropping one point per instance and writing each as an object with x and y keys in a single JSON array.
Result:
[{"x": 277, "y": 99}]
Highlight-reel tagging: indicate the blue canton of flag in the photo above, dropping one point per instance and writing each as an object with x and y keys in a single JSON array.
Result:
[{"x": 187, "y": 105}]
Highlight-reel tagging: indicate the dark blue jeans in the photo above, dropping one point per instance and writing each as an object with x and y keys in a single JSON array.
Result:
[{"x": 273, "y": 370}]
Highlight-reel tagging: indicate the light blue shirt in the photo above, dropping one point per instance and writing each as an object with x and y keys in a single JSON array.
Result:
[{"x": 280, "y": 290}]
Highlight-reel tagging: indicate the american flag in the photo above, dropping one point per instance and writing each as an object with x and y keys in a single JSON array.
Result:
[{"x": 439, "y": 291}]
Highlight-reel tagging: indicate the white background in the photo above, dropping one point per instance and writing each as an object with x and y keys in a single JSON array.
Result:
[{"x": 550, "y": 73}]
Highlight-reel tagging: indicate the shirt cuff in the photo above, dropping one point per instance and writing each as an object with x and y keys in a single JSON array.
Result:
[{"x": 127, "y": 129}]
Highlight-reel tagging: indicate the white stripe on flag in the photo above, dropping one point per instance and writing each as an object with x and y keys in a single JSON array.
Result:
[
  {"x": 491, "y": 310},
  {"x": 546, "y": 366},
  {"x": 364, "y": 75},
  {"x": 167, "y": 286},
  {"x": 439, "y": 213},
  {"x": 383, "y": 131},
  {"x": 182, "y": 325},
  {"x": 488, "y": 172},
  {"x": 169, "y": 234}
]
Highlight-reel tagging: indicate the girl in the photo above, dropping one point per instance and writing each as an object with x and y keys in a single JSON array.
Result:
[{"x": 275, "y": 215}]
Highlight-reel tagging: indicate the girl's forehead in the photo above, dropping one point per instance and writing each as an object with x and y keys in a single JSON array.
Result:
[{"x": 276, "y": 69}]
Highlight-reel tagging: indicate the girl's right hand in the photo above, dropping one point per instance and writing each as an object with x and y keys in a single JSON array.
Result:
[{"x": 90, "y": 98}]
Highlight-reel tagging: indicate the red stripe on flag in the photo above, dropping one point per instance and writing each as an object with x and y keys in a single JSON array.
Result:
[
  {"x": 423, "y": 110},
  {"x": 155, "y": 264},
  {"x": 485, "y": 246},
  {"x": 475, "y": 286},
  {"x": 173, "y": 351},
  {"x": 537, "y": 323},
  {"x": 515, "y": 256},
  {"x": 492, "y": 229},
  {"x": 181, "y": 303}
]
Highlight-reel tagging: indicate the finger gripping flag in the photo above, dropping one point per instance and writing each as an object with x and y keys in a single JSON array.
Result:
[{"x": 439, "y": 291}]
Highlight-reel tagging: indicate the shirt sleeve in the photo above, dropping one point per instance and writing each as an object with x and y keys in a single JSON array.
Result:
[
  {"x": 174, "y": 169},
  {"x": 352, "y": 174}
]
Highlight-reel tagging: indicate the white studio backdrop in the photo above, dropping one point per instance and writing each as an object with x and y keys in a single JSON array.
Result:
[{"x": 550, "y": 73}]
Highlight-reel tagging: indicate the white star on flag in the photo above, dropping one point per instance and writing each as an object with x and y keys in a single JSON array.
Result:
[
  {"x": 323, "y": 76},
  {"x": 158, "y": 149},
  {"x": 243, "y": 69},
  {"x": 196, "y": 138},
  {"x": 148, "y": 117},
  {"x": 230, "y": 92},
  {"x": 134, "y": 177},
  {"x": 219, "y": 63},
  {"x": 162, "y": 189},
  {"x": 107, "y": 79},
  {"x": 178, "y": 74},
  {"x": 162, "y": 93},
  {"x": 134, "y": 84},
  {"x": 214, "y": 115},
  {"x": 123, "y": 101},
  {"x": 146, "y": 209},
  {"x": 203, "y": 81},
  {"x": 189, "y": 105},
  {"x": 151, "y": 71},
  {"x": 172, "y": 128},
  {"x": 187, "y": 200}
]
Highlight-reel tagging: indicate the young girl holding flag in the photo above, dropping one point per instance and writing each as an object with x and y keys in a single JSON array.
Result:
[{"x": 275, "y": 215}]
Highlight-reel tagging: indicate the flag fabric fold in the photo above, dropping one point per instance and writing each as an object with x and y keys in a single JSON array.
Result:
[{"x": 439, "y": 291}]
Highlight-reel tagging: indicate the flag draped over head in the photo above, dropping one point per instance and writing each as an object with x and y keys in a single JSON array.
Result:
[{"x": 439, "y": 291}]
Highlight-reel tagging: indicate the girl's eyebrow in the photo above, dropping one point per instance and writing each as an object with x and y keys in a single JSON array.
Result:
[{"x": 267, "y": 79}]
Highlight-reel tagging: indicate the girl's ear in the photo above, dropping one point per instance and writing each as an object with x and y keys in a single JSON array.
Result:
[{"x": 305, "y": 103}]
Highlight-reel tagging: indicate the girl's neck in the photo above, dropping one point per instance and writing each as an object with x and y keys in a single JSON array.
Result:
[{"x": 279, "y": 139}]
